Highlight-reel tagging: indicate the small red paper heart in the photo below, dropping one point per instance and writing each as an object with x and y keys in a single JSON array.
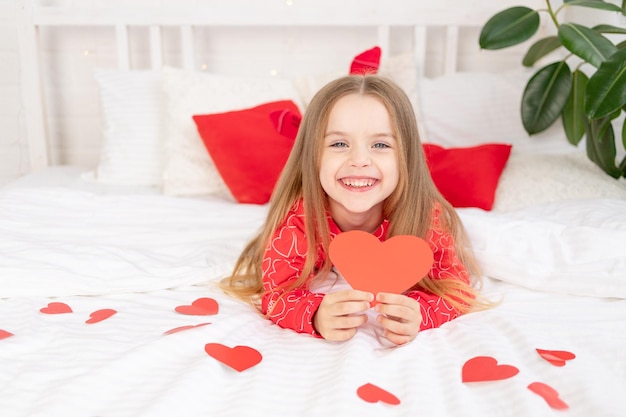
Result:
[
  {"x": 556, "y": 357},
  {"x": 183, "y": 328},
  {"x": 486, "y": 368},
  {"x": 239, "y": 358},
  {"x": 368, "y": 264},
  {"x": 99, "y": 315},
  {"x": 549, "y": 394},
  {"x": 200, "y": 307},
  {"x": 286, "y": 122},
  {"x": 373, "y": 394},
  {"x": 367, "y": 62},
  {"x": 56, "y": 308},
  {"x": 4, "y": 334}
]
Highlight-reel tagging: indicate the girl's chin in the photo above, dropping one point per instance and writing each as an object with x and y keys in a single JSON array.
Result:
[{"x": 357, "y": 207}]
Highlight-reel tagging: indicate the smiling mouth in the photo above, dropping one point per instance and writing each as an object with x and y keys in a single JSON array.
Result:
[{"x": 358, "y": 182}]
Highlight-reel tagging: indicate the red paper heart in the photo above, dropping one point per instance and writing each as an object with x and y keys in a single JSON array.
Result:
[
  {"x": 56, "y": 308},
  {"x": 367, "y": 62},
  {"x": 486, "y": 368},
  {"x": 239, "y": 358},
  {"x": 373, "y": 394},
  {"x": 99, "y": 315},
  {"x": 4, "y": 334},
  {"x": 200, "y": 307},
  {"x": 368, "y": 264},
  {"x": 549, "y": 394},
  {"x": 182, "y": 328},
  {"x": 556, "y": 357},
  {"x": 286, "y": 122}
]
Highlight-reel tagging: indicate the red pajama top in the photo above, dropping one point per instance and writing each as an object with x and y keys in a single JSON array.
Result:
[{"x": 284, "y": 261}]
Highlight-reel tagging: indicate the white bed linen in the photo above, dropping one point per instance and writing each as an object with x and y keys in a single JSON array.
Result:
[
  {"x": 143, "y": 255},
  {"x": 125, "y": 366},
  {"x": 570, "y": 247}
]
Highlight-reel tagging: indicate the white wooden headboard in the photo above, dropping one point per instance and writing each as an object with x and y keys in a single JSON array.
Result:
[{"x": 436, "y": 32}]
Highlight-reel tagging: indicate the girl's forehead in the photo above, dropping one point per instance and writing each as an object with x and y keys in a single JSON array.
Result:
[{"x": 363, "y": 109}]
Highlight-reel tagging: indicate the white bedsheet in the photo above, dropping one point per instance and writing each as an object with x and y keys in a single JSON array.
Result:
[
  {"x": 144, "y": 255},
  {"x": 56, "y": 365}
]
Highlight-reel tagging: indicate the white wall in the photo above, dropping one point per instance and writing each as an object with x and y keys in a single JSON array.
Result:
[{"x": 13, "y": 151}]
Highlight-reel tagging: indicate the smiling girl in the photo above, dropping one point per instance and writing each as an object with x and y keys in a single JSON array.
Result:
[{"x": 357, "y": 164}]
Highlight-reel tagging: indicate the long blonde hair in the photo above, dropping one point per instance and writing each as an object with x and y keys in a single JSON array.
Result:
[{"x": 409, "y": 208}]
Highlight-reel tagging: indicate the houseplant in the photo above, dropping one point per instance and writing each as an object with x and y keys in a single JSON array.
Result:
[{"x": 587, "y": 97}]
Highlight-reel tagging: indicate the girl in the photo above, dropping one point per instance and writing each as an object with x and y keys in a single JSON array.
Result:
[{"x": 357, "y": 164}]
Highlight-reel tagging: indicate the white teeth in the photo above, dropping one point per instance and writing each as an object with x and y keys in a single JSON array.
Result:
[{"x": 354, "y": 182}]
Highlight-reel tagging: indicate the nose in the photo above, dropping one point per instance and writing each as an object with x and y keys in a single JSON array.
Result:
[{"x": 360, "y": 156}]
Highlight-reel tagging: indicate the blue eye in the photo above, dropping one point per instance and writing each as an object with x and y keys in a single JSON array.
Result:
[
  {"x": 381, "y": 145},
  {"x": 338, "y": 144}
]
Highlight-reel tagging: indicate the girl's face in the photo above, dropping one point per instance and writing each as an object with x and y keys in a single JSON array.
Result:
[{"x": 359, "y": 165}]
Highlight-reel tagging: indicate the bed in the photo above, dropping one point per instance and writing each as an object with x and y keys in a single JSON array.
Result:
[{"x": 109, "y": 304}]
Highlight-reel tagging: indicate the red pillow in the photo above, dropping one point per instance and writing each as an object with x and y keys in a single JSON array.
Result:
[
  {"x": 367, "y": 62},
  {"x": 247, "y": 148},
  {"x": 467, "y": 177}
]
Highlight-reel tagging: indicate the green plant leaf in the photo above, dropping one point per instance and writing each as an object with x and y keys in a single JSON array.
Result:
[
  {"x": 574, "y": 112},
  {"x": 622, "y": 44},
  {"x": 540, "y": 49},
  {"x": 509, "y": 27},
  {"x": 606, "y": 90},
  {"x": 609, "y": 29},
  {"x": 586, "y": 43},
  {"x": 595, "y": 4},
  {"x": 600, "y": 145},
  {"x": 545, "y": 96},
  {"x": 624, "y": 7}
]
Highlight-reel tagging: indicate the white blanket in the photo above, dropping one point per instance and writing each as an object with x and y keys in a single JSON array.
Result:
[
  {"x": 61, "y": 241},
  {"x": 58, "y": 241},
  {"x": 570, "y": 247},
  {"x": 144, "y": 255}
]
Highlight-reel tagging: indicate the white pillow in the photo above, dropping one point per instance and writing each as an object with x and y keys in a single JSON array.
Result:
[
  {"x": 530, "y": 179},
  {"x": 132, "y": 146},
  {"x": 189, "y": 169},
  {"x": 472, "y": 108}
]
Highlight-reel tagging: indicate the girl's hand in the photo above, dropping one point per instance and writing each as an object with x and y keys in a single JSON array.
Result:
[
  {"x": 338, "y": 318},
  {"x": 400, "y": 317}
]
